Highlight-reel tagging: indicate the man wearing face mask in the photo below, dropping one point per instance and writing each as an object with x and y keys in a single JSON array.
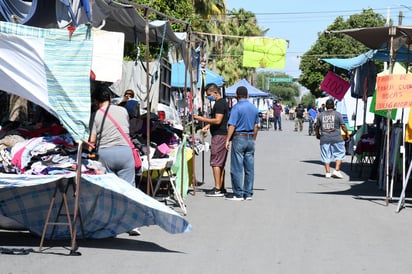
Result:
[{"x": 217, "y": 124}]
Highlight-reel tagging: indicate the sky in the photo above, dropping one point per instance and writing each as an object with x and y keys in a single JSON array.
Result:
[{"x": 300, "y": 21}]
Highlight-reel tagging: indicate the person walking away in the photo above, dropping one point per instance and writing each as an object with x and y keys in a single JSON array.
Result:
[
  {"x": 332, "y": 146},
  {"x": 217, "y": 124},
  {"x": 113, "y": 150},
  {"x": 242, "y": 132},
  {"x": 313, "y": 114},
  {"x": 287, "y": 109},
  {"x": 299, "y": 112},
  {"x": 277, "y": 115}
]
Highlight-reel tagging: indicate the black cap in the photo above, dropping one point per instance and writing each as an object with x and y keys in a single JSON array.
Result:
[{"x": 242, "y": 91}]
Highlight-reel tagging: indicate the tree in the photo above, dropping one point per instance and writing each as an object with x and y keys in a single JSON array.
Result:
[
  {"x": 335, "y": 45},
  {"x": 308, "y": 100},
  {"x": 286, "y": 91},
  {"x": 225, "y": 49},
  {"x": 182, "y": 10},
  {"x": 208, "y": 8}
]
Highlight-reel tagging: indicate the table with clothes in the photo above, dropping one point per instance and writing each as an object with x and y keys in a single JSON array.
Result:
[{"x": 30, "y": 171}]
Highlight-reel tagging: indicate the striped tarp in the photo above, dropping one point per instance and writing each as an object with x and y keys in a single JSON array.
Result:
[{"x": 51, "y": 68}]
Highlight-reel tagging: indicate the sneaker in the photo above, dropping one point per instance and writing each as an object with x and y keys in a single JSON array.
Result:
[
  {"x": 328, "y": 175},
  {"x": 337, "y": 174},
  {"x": 135, "y": 232},
  {"x": 233, "y": 197},
  {"x": 249, "y": 198},
  {"x": 214, "y": 192}
]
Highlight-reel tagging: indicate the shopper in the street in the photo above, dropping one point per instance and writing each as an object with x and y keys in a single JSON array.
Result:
[
  {"x": 242, "y": 132},
  {"x": 217, "y": 124},
  {"x": 332, "y": 145},
  {"x": 277, "y": 115}
]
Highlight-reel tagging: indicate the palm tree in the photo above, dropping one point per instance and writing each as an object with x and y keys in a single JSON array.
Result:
[{"x": 207, "y": 9}]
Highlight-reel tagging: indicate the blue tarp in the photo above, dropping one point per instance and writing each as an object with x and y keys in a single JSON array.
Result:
[
  {"x": 402, "y": 55},
  {"x": 108, "y": 205},
  {"x": 178, "y": 76},
  {"x": 351, "y": 63},
  {"x": 252, "y": 91}
]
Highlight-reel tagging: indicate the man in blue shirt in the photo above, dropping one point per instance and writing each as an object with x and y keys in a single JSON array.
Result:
[
  {"x": 242, "y": 131},
  {"x": 313, "y": 114}
]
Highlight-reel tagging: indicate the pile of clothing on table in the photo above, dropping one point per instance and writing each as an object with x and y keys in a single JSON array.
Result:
[{"x": 24, "y": 151}]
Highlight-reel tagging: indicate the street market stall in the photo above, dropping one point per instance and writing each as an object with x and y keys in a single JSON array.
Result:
[
  {"x": 391, "y": 44},
  {"x": 46, "y": 55}
]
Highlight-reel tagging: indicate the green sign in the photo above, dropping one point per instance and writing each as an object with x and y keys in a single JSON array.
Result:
[{"x": 278, "y": 80}]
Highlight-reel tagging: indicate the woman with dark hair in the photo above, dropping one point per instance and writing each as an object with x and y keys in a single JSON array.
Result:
[
  {"x": 113, "y": 150},
  {"x": 112, "y": 147}
]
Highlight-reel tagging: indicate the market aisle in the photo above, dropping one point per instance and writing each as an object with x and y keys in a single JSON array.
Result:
[{"x": 298, "y": 222}]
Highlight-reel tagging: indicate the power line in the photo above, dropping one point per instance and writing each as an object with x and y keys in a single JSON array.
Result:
[{"x": 285, "y": 17}]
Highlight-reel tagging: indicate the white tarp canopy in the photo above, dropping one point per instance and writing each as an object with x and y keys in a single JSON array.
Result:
[
  {"x": 105, "y": 14},
  {"x": 51, "y": 69}
]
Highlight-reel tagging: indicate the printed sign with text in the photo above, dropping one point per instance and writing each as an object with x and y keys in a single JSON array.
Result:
[
  {"x": 393, "y": 91},
  {"x": 334, "y": 85}
]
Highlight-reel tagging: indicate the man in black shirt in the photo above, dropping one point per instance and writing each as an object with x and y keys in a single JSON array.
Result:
[
  {"x": 217, "y": 124},
  {"x": 300, "y": 110}
]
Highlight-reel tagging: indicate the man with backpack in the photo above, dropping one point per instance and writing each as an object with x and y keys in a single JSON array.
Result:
[{"x": 300, "y": 111}]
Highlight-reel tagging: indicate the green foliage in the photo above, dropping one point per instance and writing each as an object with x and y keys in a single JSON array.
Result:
[
  {"x": 182, "y": 10},
  {"x": 308, "y": 100},
  {"x": 225, "y": 53},
  {"x": 334, "y": 45},
  {"x": 286, "y": 91}
]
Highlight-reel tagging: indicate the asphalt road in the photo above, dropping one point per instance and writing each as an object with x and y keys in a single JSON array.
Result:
[{"x": 297, "y": 222}]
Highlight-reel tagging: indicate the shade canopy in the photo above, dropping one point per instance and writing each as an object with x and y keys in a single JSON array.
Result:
[
  {"x": 178, "y": 76},
  {"x": 378, "y": 37},
  {"x": 252, "y": 91},
  {"x": 351, "y": 63}
]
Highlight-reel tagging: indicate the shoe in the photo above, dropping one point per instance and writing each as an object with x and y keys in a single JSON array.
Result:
[
  {"x": 214, "y": 192},
  {"x": 233, "y": 197},
  {"x": 249, "y": 198},
  {"x": 328, "y": 175},
  {"x": 280, "y": 129},
  {"x": 135, "y": 232},
  {"x": 337, "y": 174}
]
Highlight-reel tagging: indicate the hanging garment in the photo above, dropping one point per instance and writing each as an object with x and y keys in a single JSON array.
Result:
[{"x": 363, "y": 80}]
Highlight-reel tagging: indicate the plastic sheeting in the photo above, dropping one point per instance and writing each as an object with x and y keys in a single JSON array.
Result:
[
  {"x": 252, "y": 91},
  {"x": 56, "y": 71},
  {"x": 178, "y": 76},
  {"x": 106, "y": 14},
  {"x": 108, "y": 204}
]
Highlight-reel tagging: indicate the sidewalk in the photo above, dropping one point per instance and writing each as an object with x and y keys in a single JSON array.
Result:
[{"x": 298, "y": 222}]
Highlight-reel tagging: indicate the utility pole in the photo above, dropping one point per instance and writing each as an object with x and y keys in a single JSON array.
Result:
[{"x": 400, "y": 17}]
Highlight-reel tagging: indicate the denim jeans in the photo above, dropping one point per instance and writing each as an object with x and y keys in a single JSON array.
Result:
[
  {"x": 119, "y": 160},
  {"x": 242, "y": 161},
  {"x": 277, "y": 120}
]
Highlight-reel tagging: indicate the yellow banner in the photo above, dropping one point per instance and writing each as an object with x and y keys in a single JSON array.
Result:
[{"x": 259, "y": 52}]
